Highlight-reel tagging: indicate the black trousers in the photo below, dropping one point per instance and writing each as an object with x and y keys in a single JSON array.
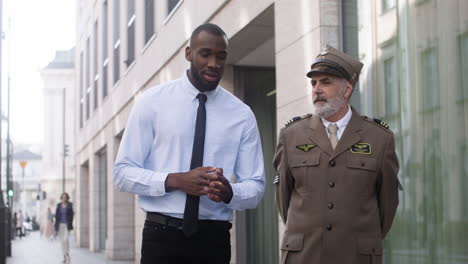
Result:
[{"x": 168, "y": 245}]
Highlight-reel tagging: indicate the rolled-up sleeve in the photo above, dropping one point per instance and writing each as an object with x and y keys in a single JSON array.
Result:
[
  {"x": 249, "y": 170},
  {"x": 129, "y": 172}
]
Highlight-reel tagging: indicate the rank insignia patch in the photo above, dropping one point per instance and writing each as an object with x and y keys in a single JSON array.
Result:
[
  {"x": 276, "y": 180},
  {"x": 361, "y": 148},
  {"x": 306, "y": 147}
]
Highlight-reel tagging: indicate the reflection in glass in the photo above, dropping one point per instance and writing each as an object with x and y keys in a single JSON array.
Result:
[{"x": 416, "y": 55}]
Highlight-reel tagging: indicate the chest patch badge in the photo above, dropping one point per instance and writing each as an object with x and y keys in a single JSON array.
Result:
[
  {"x": 306, "y": 147},
  {"x": 361, "y": 148}
]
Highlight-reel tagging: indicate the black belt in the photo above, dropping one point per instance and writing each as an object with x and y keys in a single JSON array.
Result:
[
  {"x": 177, "y": 223},
  {"x": 164, "y": 220}
]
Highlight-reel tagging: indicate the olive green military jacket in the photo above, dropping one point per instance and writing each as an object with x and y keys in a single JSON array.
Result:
[{"x": 337, "y": 205}]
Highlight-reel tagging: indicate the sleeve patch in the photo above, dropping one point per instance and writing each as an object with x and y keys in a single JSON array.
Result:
[{"x": 276, "y": 180}]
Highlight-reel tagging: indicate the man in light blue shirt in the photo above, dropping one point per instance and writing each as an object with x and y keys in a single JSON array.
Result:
[{"x": 158, "y": 150}]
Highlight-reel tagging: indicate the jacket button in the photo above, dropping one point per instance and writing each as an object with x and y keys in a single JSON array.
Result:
[
  {"x": 373, "y": 250},
  {"x": 287, "y": 245},
  {"x": 331, "y": 184},
  {"x": 330, "y": 206},
  {"x": 332, "y": 163},
  {"x": 329, "y": 227}
]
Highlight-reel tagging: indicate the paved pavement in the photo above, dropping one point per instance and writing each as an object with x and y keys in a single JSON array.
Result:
[{"x": 34, "y": 249}]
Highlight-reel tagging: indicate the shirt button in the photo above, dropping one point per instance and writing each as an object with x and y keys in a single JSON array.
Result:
[
  {"x": 331, "y": 184},
  {"x": 332, "y": 163},
  {"x": 329, "y": 227},
  {"x": 330, "y": 206}
]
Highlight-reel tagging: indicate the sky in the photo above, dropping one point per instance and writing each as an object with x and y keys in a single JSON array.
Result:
[{"x": 37, "y": 29}]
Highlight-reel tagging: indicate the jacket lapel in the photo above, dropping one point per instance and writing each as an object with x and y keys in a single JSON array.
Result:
[
  {"x": 319, "y": 135},
  {"x": 351, "y": 134}
]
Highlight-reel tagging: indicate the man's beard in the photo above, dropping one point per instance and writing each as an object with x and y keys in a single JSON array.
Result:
[
  {"x": 330, "y": 107},
  {"x": 199, "y": 84}
]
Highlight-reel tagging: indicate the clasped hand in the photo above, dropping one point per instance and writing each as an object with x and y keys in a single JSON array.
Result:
[{"x": 208, "y": 181}]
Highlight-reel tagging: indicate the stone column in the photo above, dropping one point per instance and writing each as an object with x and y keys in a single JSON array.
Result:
[
  {"x": 121, "y": 221},
  {"x": 82, "y": 206}
]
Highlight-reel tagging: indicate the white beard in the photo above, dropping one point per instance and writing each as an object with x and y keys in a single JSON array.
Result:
[{"x": 330, "y": 107}]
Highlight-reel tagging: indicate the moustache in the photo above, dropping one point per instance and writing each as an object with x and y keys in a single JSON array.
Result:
[{"x": 319, "y": 99}]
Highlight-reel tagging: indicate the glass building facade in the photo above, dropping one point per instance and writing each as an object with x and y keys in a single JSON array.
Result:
[{"x": 416, "y": 79}]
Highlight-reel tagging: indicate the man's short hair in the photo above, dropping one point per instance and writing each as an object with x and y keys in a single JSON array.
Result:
[{"x": 210, "y": 28}]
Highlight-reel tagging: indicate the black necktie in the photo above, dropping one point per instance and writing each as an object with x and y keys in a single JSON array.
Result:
[{"x": 190, "y": 225}]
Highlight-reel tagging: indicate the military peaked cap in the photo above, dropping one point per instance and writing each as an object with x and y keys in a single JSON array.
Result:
[{"x": 337, "y": 63}]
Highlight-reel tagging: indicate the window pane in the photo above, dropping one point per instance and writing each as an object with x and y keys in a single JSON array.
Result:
[
  {"x": 131, "y": 44},
  {"x": 95, "y": 94},
  {"x": 171, "y": 4},
  {"x": 81, "y": 114},
  {"x": 88, "y": 55},
  {"x": 391, "y": 87},
  {"x": 88, "y": 104},
  {"x": 105, "y": 30},
  {"x": 95, "y": 55},
  {"x": 387, "y": 4},
  {"x": 149, "y": 19},
  {"x": 116, "y": 20},
  {"x": 430, "y": 82},
  {"x": 104, "y": 81},
  {"x": 81, "y": 88},
  {"x": 116, "y": 64},
  {"x": 464, "y": 63},
  {"x": 130, "y": 9}
]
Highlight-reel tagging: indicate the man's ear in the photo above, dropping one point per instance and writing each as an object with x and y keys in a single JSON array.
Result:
[
  {"x": 348, "y": 89},
  {"x": 188, "y": 54}
]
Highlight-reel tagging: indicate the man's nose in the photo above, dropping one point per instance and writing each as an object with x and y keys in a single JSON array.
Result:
[
  {"x": 212, "y": 63},
  {"x": 316, "y": 89}
]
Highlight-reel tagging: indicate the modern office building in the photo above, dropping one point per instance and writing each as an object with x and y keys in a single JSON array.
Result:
[{"x": 416, "y": 59}]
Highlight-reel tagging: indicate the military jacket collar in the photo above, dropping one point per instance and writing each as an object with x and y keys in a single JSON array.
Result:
[{"x": 350, "y": 136}]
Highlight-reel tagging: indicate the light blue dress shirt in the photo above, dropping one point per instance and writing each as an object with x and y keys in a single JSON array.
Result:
[{"x": 158, "y": 140}]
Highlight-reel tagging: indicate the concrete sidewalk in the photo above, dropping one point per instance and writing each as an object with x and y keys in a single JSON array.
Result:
[{"x": 34, "y": 249}]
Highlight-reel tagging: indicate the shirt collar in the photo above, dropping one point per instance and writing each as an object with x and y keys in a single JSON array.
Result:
[
  {"x": 342, "y": 123},
  {"x": 193, "y": 92}
]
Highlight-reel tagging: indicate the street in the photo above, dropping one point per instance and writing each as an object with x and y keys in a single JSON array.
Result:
[{"x": 34, "y": 249}]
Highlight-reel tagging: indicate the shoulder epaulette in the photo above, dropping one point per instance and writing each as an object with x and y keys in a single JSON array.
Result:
[
  {"x": 378, "y": 121},
  {"x": 295, "y": 119},
  {"x": 382, "y": 123}
]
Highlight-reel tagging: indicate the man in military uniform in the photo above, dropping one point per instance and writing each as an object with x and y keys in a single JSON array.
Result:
[{"x": 337, "y": 186}]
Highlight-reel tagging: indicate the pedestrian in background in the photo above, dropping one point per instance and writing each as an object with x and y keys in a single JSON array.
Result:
[
  {"x": 19, "y": 224},
  {"x": 64, "y": 223},
  {"x": 13, "y": 223},
  {"x": 337, "y": 186},
  {"x": 49, "y": 225}
]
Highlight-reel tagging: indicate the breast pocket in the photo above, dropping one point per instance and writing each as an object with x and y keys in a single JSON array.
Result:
[
  {"x": 363, "y": 171},
  {"x": 304, "y": 170}
]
